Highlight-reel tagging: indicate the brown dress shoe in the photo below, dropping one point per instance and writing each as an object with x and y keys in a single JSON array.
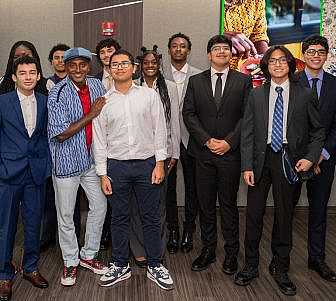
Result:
[
  {"x": 36, "y": 279},
  {"x": 5, "y": 290}
]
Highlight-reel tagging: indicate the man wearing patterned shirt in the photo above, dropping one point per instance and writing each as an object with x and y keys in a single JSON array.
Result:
[{"x": 72, "y": 104}]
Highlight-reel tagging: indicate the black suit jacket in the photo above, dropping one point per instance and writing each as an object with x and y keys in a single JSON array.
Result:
[
  {"x": 204, "y": 121},
  {"x": 305, "y": 133},
  {"x": 327, "y": 108}
]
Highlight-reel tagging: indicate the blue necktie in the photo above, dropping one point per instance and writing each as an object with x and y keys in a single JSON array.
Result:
[{"x": 277, "y": 125}]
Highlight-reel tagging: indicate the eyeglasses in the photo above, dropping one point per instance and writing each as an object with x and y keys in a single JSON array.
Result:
[
  {"x": 123, "y": 65},
  {"x": 320, "y": 52},
  {"x": 218, "y": 49},
  {"x": 281, "y": 60}
]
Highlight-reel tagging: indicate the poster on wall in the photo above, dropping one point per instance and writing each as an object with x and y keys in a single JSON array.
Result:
[{"x": 257, "y": 24}]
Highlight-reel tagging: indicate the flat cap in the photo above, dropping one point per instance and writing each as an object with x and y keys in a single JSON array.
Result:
[{"x": 77, "y": 52}]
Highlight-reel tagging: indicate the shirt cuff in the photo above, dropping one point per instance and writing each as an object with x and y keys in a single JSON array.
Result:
[
  {"x": 325, "y": 154},
  {"x": 101, "y": 169},
  {"x": 160, "y": 155}
]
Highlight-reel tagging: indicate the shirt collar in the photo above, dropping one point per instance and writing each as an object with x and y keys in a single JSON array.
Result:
[
  {"x": 310, "y": 77},
  {"x": 78, "y": 89},
  {"x": 106, "y": 74},
  {"x": 183, "y": 70},
  {"x": 23, "y": 97},
  {"x": 114, "y": 90},
  {"x": 154, "y": 84},
  {"x": 224, "y": 71},
  {"x": 284, "y": 85}
]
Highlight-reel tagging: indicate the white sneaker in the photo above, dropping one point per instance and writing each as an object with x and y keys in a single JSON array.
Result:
[
  {"x": 115, "y": 274},
  {"x": 160, "y": 275}
]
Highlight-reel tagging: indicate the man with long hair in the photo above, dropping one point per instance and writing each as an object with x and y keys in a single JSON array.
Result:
[{"x": 281, "y": 138}]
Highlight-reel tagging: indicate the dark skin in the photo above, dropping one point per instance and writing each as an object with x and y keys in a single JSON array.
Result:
[{"x": 77, "y": 70}]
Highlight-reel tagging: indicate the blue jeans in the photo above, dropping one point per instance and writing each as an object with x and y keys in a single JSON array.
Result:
[{"x": 134, "y": 175}]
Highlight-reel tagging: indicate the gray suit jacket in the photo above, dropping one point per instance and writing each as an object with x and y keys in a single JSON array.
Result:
[{"x": 168, "y": 75}]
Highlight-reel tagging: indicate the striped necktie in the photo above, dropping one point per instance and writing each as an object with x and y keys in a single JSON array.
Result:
[{"x": 277, "y": 125}]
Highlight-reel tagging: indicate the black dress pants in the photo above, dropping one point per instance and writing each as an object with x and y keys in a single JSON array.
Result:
[
  {"x": 191, "y": 201},
  {"x": 283, "y": 195},
  {"x": 220, "y": 178}
]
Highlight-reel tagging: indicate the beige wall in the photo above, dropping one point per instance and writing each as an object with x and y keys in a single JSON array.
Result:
[
  {"x": 44, "y": 23},
  {"x": 198, "y": 19}
]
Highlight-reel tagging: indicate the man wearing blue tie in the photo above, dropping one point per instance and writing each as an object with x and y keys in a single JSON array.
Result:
[
  {"x": 280, "y": 116},
  {"x": 24, "y": 167}
]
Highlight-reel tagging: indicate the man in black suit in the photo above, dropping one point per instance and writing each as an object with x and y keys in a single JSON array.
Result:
[
  {"x": 315, "y": 50},
  {"x": 212, "y": 111},
  {"x": 280, "y": 115}
]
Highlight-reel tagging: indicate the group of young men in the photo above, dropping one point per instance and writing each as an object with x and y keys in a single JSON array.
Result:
[{"x": 120, "y": 139}]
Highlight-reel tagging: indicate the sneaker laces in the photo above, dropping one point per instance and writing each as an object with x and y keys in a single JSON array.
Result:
[
  {"x": 96, "y": 263},
  {"x": 69, "y": 272},
  {"x": 114, "y": 270},
  {"x": 162, "y": 271}
]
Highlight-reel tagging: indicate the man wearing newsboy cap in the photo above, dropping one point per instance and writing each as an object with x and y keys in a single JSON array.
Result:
[{"x": 72, "y": 105}]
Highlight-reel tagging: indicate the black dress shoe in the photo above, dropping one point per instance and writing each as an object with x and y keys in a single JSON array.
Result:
[
  {"x": 230, "y": 265},
  {"x": 246, "y": 275},
  {"x": 173, "y": 241},
  {"x": 203, "y": 261},
  {"x": 187, "y": 242},
  {"x": 36, "y": 279},
  {"x": 285, "y": 285},
  {"x": 323, "y": 270},
  {"x": 272, "y": 267}
]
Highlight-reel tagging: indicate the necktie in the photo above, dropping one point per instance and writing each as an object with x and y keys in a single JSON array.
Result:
[
  {"x": 314, "y": 88},
  {"x": 218, "y": 89},
  {"x": 277, "y": 125}
]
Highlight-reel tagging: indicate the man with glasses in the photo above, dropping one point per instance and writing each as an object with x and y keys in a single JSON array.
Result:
[
  {"x": 280, "y": 117},
  {"x": 212, "y": 111},
  {"x": 130, "y": 146},
  {"x": 315, "y": 50},
  {"x": 72, "y": 105}
]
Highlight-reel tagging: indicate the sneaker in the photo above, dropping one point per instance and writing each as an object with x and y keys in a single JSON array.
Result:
[
  {"x": 115, "y": 274},
  {"x": 69, "y": 276},
  {"x": 160, "y": 275},
  {"x": 94, "y": 265}
]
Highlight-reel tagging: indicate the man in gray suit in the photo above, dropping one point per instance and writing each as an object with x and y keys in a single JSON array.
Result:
[{"x": 179, "y": 71}]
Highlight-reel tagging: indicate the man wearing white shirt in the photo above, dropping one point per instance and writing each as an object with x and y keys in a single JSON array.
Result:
[
  {"x": 212, "y": 111},
  {"x": 130, "y": 146},
  {"x": 179, "y": 71}
]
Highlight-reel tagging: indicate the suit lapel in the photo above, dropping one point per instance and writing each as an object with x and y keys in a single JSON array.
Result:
[
  {"x": 208, "y": 85},
  {"x": 17, "y": 108},
  {"x": 39, "y": 112},
  {"x": 227, "y": 88},
  {"x": 265, "y": 104},
  {"x": 324, "y": 87},
  {"x": 291, "y": 102}
]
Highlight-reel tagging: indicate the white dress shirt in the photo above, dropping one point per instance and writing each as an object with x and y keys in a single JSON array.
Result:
[
  {"x": 107, "y": 80},
  {"x": 29, "y": 111},
  {"x": 179, "y": 77},
  {"x": 130, "y": 126},
  {"x": 272, "y": 98},
  {"x": 214, "y": 78}
]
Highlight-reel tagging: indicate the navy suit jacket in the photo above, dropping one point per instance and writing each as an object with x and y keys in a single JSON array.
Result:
[
  {"x": 327, "y": 108},
  {"x": 17, "y": 150}
]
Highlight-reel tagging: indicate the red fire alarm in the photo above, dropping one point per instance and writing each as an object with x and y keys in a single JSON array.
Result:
[{"x": 109, "y": 28}]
